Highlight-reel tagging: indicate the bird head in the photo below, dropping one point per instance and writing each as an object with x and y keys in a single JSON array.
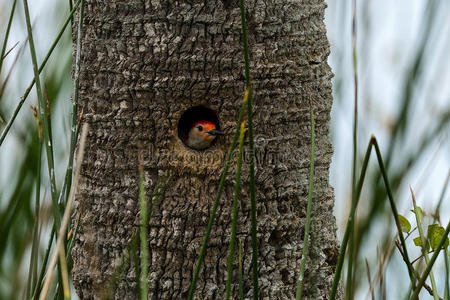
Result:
[{"x": 201, "y": 135}]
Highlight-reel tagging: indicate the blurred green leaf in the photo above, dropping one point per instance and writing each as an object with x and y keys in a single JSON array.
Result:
[
  {"x": 404, "y": 223},
  {"x": 418, "y": 243},
  {"x": 435, "y": 233}
]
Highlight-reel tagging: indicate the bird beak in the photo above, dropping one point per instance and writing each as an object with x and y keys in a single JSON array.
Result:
[{"x": 215, "y": 132}]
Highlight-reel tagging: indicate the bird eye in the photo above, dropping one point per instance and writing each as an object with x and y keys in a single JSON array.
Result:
[{"x": 200, "y": 128}]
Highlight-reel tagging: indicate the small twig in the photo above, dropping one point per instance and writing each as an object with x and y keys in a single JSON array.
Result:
[
  {"x": 426, "y": 286},
  {"x": 415, "y": 260},
  {"x": 370, "y": 281},
  {"x": 8, "y": 28},
  {"x": 11, "y": 69},
  {"x": 64, "y": 272},
  {"x": 410, "y": 232},
  {"x": 380, "y": 274},
  {"x": 11, "y": 49}
]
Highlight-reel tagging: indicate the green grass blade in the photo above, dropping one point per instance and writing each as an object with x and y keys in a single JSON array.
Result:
[
  {"x": 49, "y": 146},
  {"x": 134, "y": 257},
  {"x": 143, "y": 235},
  {"x": 70, "y": 8},
  {"x": 351, "y": 254},
  {"x": 234, "y": 216},
  {"x": 64, "y": 195},
  {"x": 8, "y": 28},
  {"x": 394, "y": 211},
  {"x": 75, "y": 126},
  {"x": 43, "y": 117},
  {"x": 41, "y": 67},
  {"x": 447, "y": 276},
  {"x": 241, "y": 275},
  {"x": 32, "y": 271},
  {"x": 252, "y": 155},
  {"x": 216, "y": 200},
  {"x": 305, "y": 253},
  {"x": 350, "y": 221}
]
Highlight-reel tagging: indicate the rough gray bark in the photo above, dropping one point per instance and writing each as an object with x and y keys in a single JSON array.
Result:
[{"x": 143, "y": 64}]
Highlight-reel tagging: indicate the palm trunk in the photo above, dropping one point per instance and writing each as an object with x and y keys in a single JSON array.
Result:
[{"x": 144, "y": 63}]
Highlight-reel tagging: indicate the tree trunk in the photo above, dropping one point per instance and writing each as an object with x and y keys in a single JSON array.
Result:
[{"x": 144, "y": 63}]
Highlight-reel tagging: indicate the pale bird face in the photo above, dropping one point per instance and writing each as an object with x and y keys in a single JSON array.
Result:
[{"x": 202, "y": 134}]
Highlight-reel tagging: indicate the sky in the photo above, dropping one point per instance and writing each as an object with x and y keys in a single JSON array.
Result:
[{"x": 384, "y": 57}]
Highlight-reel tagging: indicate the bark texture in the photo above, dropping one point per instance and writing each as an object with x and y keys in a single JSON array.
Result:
[{"x": 145, "y": 62}]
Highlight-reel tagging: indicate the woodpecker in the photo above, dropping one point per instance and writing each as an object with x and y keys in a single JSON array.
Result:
[{"x": 201, "y": 135}]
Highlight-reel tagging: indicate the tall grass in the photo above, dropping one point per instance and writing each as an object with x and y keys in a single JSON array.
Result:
[
  {"x": 308, "y": 208},
  {"x": 24, "y": 208},
  {"x": 234, "y": 214},
  {"x": 60, "y": 248},
  {"x": 216, "y": 200},
  {"x": 252, "y": 153},
  {"x": 33, "y": 237},
  {"x": 382, "y": 186},
  {"x": 41, "y": 68}
]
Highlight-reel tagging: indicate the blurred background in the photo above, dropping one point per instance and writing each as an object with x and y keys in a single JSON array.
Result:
[
  {"x": 403, "y": 69},
  {"x": 404, "y": 100},
  {"x": 19, "y": 149}
]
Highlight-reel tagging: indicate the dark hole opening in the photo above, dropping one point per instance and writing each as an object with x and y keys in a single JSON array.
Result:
[{"x": 192, "y": 115}]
